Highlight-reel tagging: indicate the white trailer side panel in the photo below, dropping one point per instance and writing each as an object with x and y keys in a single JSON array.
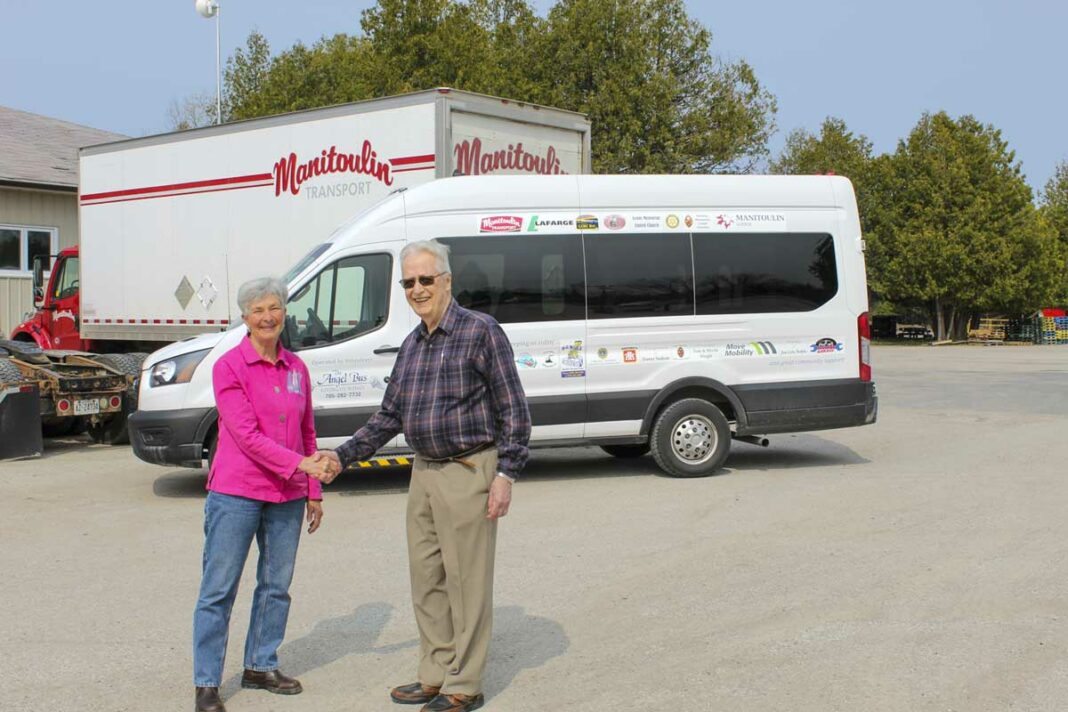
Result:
[{"x": 211, "y": 212}]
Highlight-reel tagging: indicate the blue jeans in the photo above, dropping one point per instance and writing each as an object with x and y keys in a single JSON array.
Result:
[{"x": 229, "y": 525}]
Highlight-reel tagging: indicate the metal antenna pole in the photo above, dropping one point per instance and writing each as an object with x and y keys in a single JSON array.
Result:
[{"x": 218, "y": 70}]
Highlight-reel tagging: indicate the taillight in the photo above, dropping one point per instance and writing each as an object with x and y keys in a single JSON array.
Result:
[
  {"x": 115, "y": 402},
  {"x": 63, "y": 405},
  {"x": 864, "y": 339}
]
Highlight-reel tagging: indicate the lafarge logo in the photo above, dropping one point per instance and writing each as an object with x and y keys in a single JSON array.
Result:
[
  {"x": 289, "y": 174},
  {"x": 536, "y": 223}
]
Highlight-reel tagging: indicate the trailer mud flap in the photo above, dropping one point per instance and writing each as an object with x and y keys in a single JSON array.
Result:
[{"x": 20, "y": 422}]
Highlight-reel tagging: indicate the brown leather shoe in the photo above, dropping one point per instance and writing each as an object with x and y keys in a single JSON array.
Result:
[
  {"x": 414, "y": 694},
  {"x": 272, "y": 681},
  {"x": 208, "y": 700},
  {"x": 454, "y": 703}
]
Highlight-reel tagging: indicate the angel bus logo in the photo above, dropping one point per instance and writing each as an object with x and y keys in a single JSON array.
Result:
[{"x": 825, "y": 346}]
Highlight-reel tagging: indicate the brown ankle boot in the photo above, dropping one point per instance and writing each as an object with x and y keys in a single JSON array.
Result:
[{"x": 208, "y": 700}]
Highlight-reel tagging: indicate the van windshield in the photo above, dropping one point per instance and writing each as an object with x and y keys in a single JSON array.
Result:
[{"x": 305, "y": 261}]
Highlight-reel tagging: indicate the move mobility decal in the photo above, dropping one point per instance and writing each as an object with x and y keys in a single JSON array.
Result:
[
  {"x": 501, "y": 223},
  {"x": 825, "y": 346},
  {"x": 764, "y": 348}
]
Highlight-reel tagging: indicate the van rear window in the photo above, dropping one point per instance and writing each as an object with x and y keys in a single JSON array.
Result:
[{"x": 754, "y": 273}]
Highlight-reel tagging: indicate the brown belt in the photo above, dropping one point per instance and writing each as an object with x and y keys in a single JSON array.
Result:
[{"x": 462, "y": 458}]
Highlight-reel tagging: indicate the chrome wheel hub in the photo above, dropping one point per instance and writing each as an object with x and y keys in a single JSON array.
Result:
[{"x": 694, "y": 439}]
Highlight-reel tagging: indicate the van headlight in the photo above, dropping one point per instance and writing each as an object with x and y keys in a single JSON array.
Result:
[{"x": 176, "y": 370}]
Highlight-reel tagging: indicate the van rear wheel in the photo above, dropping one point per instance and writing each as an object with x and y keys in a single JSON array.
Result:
[
  {"x": 690, "y": 438},
  {"x": 626, "y": 451}
]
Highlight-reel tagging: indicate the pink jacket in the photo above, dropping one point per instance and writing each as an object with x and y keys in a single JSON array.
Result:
[{"x": 265, "y": 426}]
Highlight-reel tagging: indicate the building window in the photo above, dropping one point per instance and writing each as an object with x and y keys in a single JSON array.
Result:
[{"x": 20, "y": 244}]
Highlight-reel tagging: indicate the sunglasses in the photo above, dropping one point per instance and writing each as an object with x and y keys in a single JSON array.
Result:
[{"x": 424, "y": 279}]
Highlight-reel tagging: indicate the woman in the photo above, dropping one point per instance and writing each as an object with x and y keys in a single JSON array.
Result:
[{"x": 261, "y": 481}]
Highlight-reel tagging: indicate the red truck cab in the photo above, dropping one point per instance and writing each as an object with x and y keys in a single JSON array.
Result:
[{"x": 55, "y": 324}]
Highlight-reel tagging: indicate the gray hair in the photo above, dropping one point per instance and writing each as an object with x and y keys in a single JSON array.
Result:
[
  {"x": 433, "y": 247},
  {"x": 256, "y": 289}
]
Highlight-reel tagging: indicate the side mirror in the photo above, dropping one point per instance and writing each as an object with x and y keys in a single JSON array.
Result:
[
  {"x": 38, "y": 281},
  {"x": 38, "y": 275}
]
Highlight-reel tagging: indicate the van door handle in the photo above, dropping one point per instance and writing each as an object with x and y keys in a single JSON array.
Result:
[{"x": 386, "y": 350}]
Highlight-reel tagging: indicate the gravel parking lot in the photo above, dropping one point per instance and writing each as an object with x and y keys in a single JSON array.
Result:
[{"x": 918, "y": 564}]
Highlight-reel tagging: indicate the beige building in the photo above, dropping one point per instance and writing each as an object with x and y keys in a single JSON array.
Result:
[{"x": 38, "y": 199}]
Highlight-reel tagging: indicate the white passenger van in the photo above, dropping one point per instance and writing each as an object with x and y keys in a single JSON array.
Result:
[{"x": 662, "y": 313}]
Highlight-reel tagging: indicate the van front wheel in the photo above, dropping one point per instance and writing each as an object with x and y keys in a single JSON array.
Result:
[{"x": 691, "y": 438}]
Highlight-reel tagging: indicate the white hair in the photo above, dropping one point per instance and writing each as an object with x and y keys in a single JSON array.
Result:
[
  {"x": 433, "y": 247},
  {"x": 256, "y": 289}
]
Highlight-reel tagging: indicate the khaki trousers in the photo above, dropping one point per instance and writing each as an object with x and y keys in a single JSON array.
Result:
[{"x": 451, "y": 547}]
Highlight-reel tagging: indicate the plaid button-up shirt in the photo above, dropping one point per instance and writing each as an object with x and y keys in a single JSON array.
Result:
[{"x": 451, "y": 392}]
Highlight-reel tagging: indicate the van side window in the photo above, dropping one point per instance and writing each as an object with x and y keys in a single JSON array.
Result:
[
  {"x": 348, "y": 298},
  {"x": 756, "y": 273},
  {"x": 519, "y": 279},
  {"x": 639, "y": 275}
]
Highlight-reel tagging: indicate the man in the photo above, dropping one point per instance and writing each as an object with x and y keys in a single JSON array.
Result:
[{"x": 455, "y": 393}]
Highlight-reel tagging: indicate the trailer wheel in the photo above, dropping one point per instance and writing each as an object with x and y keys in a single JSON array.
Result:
[
  {"x": 690, "y": 438},
  {"x": 126, "y": 364},
  {"x": 113, "y": 431},
  {"x": 626, "y": 451},
  {"x": 9, "y": 372}
]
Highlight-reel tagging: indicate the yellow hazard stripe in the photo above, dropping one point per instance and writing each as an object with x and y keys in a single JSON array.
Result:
[{"x": 382, "y": 462}]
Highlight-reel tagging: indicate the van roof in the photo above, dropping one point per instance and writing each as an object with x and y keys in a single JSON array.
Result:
[{"x": 488, "y": 193}]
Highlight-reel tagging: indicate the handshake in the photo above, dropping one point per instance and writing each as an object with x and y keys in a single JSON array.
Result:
[{"x": 324, "y": 466}]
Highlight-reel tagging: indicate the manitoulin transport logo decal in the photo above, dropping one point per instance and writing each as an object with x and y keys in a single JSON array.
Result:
[{"x": 501, "y": 223}]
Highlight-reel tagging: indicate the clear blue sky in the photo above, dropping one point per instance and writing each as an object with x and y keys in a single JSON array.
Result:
[{"x": 878, "y": 66}]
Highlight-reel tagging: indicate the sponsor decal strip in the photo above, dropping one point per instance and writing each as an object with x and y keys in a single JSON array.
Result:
[{"x": 216, "y": 185}]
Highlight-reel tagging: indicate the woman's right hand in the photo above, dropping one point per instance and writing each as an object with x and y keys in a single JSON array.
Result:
[{"x": 320, "y": 466}]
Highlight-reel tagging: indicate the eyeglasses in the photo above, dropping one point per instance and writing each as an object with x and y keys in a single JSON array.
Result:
[{"x": 427, "y": 280}]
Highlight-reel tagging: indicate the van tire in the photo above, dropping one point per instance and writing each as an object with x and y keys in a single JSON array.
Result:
[
  {"x": 690, "y": 438},
  {"x": 626, "y": 451}
]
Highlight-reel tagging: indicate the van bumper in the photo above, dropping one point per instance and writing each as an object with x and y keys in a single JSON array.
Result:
[
  {"x": 809, "y": 405},
  {"x": 171, "y": 437}
]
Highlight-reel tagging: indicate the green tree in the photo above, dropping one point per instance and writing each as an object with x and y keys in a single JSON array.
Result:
[
  {"x": 659, "y": 101},
  {"x": 1055, "y": 201},
  {"x": 953, "y": 231},
  {"x": 835, "y": 150}
]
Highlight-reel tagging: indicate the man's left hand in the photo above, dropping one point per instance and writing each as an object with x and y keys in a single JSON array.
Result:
[{"x": 500, "y": 498}]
